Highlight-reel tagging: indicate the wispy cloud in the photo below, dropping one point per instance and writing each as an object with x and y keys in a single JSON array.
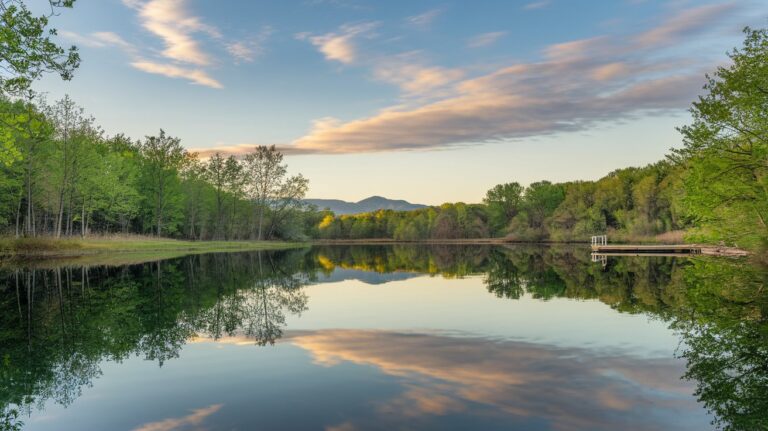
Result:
[
  {"x": 102, "y": 39},
  {"x": 340, "y": 45},
  {"x": 171, "y": 21},
  {"x": 196, "y": 76},
  {"x": 536, "y": 5},
  {"x": 182, "y": 55},
  {"x": 248, "y": 49},
  {"x": 684, "y": 24},
  {"x": 408, "y": 72},
  {"x": 425, "y": 19},
  {"x": 485, "y": 39},
  {"x": 195, "y": 418}
]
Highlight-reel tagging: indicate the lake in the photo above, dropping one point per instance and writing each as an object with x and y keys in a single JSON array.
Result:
[{"x": 384, "y": 338}]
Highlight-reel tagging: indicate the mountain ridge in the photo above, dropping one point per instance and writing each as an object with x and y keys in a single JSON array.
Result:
[{"x": 369, "y": 204}]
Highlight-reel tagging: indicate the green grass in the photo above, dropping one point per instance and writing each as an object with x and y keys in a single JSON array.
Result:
[{"x": 124, "y": 248}]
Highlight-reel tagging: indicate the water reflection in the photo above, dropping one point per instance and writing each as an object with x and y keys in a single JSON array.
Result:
[
  {"x": 60, "y": 324},
  {"x": 521, "y": 382}
]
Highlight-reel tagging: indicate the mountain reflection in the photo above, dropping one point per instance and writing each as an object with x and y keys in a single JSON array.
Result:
[{"x": 59, "y": 324}]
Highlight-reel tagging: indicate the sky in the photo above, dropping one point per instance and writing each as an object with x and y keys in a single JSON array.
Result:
[{"x": 428, "y": 101}]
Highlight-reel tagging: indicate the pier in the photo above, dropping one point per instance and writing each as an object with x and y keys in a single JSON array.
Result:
[{"x": 600, "y": 245}]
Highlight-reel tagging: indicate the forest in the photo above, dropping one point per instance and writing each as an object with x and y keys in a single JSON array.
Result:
[
  {"x": 69, "y": 179},
  {"x": 61, "y": 175}
]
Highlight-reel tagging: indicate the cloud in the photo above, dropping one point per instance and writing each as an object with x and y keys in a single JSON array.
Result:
[
  {"x": 609, "y": 71},
  {"x": 536, "y": 5},
  {"x": 686, "y": 23},
  {"x": 101, "y": 39},
  {"x": 566, "y": 388},
  {"x": 197, "y": 417},
  {"x": 512, "y": 103},
  {"x": 108, "y": 39},
  {"x": 196, "y": 76},
  {"x": 182, "y": 56},
  {"x": 339, "y": 46},
  {"x": 425, "y": 19},
  {"x": 170, "y": 21},
  {"x": 248, "y": 49},
  {"x": 578, "y": 49},
  {"x": 485, "y": 39},
  {"x": 557, "y": 94},
  {"x": 345, "y": 4},
  {"x": 414, "y": 78}
]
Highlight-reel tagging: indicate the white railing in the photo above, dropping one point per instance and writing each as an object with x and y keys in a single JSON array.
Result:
[
  {"x": 600, "y": 240},
  {"x": 602, "y": 258}
]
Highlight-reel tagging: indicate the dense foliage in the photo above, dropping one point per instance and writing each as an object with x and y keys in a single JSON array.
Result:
[
  {"x": 71, "y": 179},
  {"x": 633, "y": 202},
  {"x": 726, "y": 148}
]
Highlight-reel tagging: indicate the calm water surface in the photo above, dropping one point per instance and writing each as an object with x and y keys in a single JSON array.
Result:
[{"x": 390, "y": 337}]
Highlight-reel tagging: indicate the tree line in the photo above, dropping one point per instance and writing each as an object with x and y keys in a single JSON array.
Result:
[
  {"x": 632, "y": 202},
  {"x": 70, "y": 179}
]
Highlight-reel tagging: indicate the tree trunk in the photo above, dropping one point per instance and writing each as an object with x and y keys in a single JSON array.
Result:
[
  {"x": 261, "y": 221},
  {"x": 18, "y": 212},
  {"x": 28, "y": 221},
  {"x": 82, "y": 221},
  {"x": 60, "y": 217}
]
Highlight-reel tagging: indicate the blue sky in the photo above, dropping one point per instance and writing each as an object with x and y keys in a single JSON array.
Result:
[{"x": 429, "y": 101}]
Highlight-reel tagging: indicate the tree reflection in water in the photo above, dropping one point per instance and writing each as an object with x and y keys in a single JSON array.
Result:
[{"x": 58, "y": 324}]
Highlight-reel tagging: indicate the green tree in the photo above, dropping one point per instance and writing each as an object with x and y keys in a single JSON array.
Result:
[
  {"x": 163, "y": 158},
  {"x": 216, "y": 175},
  {"x": 27, "y": 53},
  {"x": 273, "y": 192},
  {"x": 26, "y": 49},
  {"x": 503, "y": 202},
  {"x": 234, "y": 179},
  {"x": 726, "y": 148}
]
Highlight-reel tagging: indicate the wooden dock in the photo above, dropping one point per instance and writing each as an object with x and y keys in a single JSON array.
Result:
[
  {"x": 600, "y": 245},
  {"x": 632, "y": 249}
]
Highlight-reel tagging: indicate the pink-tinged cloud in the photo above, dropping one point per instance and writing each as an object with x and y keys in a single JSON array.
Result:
[
  {"x": 485, "y": 39},
  {"x": 569, "y": 389},
  {"x": 684, "y": 24},
  {"x": 194, "y": 419},
  {"x": 170, "y": 21},
  {"x": 196, "y": 76},
  {"x": 340, "y": 46},
  {"x": 408, "y": 72},
  {"x": 578, "y": 49},
  {"x": 536, "y": 5},
  {"x": 425, "y": 19},
  {"x": 610, "y": 71}
]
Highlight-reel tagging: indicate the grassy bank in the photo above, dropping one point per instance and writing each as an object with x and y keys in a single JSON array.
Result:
[{"x": 122, "y": 249}]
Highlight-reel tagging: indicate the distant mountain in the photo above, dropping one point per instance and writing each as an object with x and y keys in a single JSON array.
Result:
[{"x": 372, "y": 203}]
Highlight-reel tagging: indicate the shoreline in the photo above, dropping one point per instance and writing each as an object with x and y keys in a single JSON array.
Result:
[
  {"x": 122, "y": 250},
  {"x": 706, "y": 249}
]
